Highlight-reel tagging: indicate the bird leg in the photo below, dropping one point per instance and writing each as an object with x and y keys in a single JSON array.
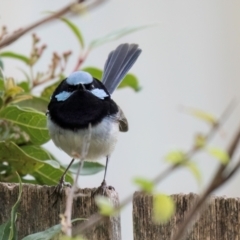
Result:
[
  {"x": 101, "y": 190},
  {"x": 61, "y": 184}
]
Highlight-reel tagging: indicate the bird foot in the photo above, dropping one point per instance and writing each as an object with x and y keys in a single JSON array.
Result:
[
  {"x": 58, "y": 190},
  {"x": 103, "y": 189}
]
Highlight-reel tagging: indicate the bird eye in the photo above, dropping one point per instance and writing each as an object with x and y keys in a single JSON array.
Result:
[{"x": 71, "y": 88}]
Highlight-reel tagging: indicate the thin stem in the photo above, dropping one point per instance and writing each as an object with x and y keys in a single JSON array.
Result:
[
  {"x": 96, "y": 218},
  {"x": 67, "y": 9},
  {"x": 67, "y": 224}
]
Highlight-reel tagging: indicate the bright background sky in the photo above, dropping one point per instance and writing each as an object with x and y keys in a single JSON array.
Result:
[{"x": 190, "y": 58}]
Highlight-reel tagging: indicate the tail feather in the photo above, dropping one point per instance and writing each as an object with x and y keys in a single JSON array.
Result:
[{"x": 118, "y": 64}]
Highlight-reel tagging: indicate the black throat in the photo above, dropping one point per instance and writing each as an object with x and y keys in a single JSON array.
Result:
[{"x": 80, "y": 108}]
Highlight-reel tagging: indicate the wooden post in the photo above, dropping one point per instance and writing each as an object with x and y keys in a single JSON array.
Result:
[
  {"x": 219, "y": 221},
  {"x": 36, "y": 212}
]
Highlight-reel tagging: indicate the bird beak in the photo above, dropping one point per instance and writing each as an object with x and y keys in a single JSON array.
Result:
[{"x": 83, "y": 87}]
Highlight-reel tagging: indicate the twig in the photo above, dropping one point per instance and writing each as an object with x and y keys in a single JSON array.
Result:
[
  {"x": 67, "y": 9},
  {"x": 219, "y": 179},
  {"x": 80, "y": 61},
  {"x": 96, "y": 218},
  {"x": 195, "y": 149},
  {"x": 67, "y": 223}
]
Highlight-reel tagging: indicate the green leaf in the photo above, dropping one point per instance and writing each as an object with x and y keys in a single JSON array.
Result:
[
  {"x": 145, "y": 184},
  {"x": 2, "y": 86},
  {"x": 8, "y": 229},
  {"x": 176, "y": 157},
  {"x": 219, "y": 154},
  {"x": 116, "y": 35},
  {"x": 16, "y": 56},
  {"x": 95, "y": 72},
  {"x": 25, "y": 86},
  {"x": 207, "y": 117},
  {"x": 200, "y": 141},
  {"x": 48, "y": 91},
  {"x": 1, "y": 66},
  {"x": 51, "y": 171},
  {"x": 89, "y": 168},
  {"x": 105, "y": 206},
  {"x": 130, "y": 81},
  {"x": 49, "y": 233},
  {"x": 37, "y": 103},
  {"x": 46, "y": 235},
  {"x": 19, "y": 160},
  {"x": 32, "y": 122},
  {"x": 27, "y": 77},
  {"x": 163, "y": 208},
  {"x": 195, "y": 171},
  {"x": 75, "y": 30},
  {"x": 1, "y": 104}
]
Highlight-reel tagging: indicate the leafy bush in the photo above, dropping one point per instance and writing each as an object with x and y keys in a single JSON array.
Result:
[{"x": 23, "y": 128}]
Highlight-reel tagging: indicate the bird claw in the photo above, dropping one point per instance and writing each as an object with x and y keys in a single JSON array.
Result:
[
  {"x": 102, "y": 189},
  {"x": 58, "y": 190}
]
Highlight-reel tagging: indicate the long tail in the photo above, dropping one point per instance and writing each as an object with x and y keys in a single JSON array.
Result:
[{"x": 118, "y": 64}]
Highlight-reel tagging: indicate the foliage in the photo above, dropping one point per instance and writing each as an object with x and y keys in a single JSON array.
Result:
[
  {"x": 23, "y": 126},
  {"x": 8, "y": 229}
]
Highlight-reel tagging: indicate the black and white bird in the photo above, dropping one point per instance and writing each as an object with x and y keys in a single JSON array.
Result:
[{"x": 81, "y": 99}]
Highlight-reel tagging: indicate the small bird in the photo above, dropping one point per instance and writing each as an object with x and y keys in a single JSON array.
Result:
[{"x": 81, "y": 100}]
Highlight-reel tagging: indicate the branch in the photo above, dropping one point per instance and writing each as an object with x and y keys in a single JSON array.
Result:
[
  {"x": 67, "y": 9},
  {"x": 67, "y": 222},
  {"x": 219, "y": 179},
  {"x": 96, "y": 218}
]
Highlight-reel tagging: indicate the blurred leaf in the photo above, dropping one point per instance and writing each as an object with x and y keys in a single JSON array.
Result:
[
  {"x": 89, "y": 168},
  {"x": 116, "y": 35},
  {"x": 130, "y": 81},
  {"x": 145, "y": 184},
  {"x": 20, "y": 98},
  {"x": 16, "y": 56},
  {"x": 202, "y": 115},
  {"x": 8, "y": 230},
  {"x": 27, "y": 77},
  {"x": 48, "y": 91},
  {"x": 25, "y": 86},
  {"x": 49, "y": 233},
  {"x": 1, "y": 66},
  {"x": 219, "y": 154},
  {"x": 95, "y": 72},
  {"x": 163, "y": 208},
  {"x": 46, "y": 235},
  {"x": 49, "y": 173},
  {"x": 72, "y": 238},
  {"x": 176, "y": 157},
  {"x": 75, "y": 30},
  {"x": 1, "y": 103},
  {"x": 2, "y": 86},
  {"x": 32, "y": 122},
  {"x": 200, "y": 141},
  {"x": 19, "y": 160},
  {"x": 195, "y": 171},
  {"x": 10, "y": 132},
  {"x": 11, "y": 89},
  {"x": 37, "y": 103},
  {"x": 105, "y": 206}
]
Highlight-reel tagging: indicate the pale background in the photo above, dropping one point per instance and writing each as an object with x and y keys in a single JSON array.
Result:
[{"x": 190, "y": 58}]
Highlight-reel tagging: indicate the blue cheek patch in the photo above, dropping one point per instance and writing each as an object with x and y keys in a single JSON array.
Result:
[
  {"x": 62, "y": 96},
  {"x": 100, "y": 93}
]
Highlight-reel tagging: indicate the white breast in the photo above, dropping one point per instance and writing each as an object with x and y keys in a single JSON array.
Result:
[{"x": 102, "y": 143}]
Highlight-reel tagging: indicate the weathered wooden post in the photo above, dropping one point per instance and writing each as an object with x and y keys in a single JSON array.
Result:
[
  {"x": 36, "y": 212},
  {"x": 219, "y": 221}
]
